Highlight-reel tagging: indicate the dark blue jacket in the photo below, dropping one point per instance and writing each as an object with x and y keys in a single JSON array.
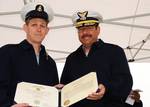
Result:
[
  {"x": 111, "y": 66},
  {"x": 18, "y": 63}
]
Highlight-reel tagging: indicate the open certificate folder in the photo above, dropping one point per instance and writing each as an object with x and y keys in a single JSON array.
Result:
[{"x": 46, "y": 96}]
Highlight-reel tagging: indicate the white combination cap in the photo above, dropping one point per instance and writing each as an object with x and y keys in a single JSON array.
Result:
[
  {"x": 86, "y": 18},
  {"x": 37, "y": 10}
]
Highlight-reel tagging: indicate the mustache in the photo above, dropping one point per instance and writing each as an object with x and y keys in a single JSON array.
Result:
[{"x": 86, "y": 35}]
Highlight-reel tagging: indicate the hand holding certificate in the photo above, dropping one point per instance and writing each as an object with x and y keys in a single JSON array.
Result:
[{"x": 47, "y": 96}]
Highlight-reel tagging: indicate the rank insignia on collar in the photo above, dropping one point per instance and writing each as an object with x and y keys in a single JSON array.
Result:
[{"x": 83, "y": 15}]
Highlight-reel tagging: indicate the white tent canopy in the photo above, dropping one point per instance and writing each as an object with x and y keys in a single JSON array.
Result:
[{"x": 126, "y": 23}]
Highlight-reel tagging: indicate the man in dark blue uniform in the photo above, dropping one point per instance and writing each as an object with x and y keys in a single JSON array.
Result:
[
  {"x": 107, "y": 60},
  {"x": 28, "y": 60}
]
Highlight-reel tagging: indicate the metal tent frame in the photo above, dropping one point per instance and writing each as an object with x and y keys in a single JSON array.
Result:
[{"x": 112, "y": 21}]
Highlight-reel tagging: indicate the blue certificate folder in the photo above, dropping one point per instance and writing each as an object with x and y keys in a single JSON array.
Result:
[{"x": 47, "y": 96}]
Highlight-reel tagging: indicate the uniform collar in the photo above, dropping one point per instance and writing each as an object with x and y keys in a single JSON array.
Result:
[
  {"x": 97, "y": 45},
  {"x": 26, "y": 45}
]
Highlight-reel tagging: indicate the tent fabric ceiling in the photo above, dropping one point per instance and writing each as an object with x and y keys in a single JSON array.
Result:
[{"x": 126, "y": 23}]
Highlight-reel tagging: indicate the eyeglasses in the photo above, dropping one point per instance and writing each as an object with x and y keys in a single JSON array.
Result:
[{"x": 89, "y": 28}]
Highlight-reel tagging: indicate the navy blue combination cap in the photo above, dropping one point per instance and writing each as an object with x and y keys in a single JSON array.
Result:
[
  {"x": 37, "y": 10},
  {"x": 86, "y": 18}
]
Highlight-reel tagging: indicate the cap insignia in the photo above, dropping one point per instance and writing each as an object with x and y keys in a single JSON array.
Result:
[
  {"x": 39, "y": 8},
  {"x": 83, "y": 15}
]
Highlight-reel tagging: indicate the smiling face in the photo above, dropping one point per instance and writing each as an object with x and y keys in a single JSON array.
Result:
[
  {"x": 36, "y": 30},
  {"x": 88, "y": 35}
]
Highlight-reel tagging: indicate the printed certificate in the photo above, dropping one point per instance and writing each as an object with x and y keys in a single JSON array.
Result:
[
  {"x": 79, "y": 89},
  {"x": 46, "y": 96},
  {"x": 36, "y": 95}
]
